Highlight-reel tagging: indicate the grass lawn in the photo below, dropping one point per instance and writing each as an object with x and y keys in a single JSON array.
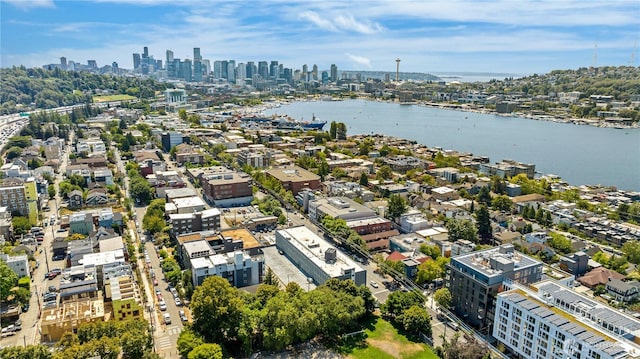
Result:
[
  {"x": 110, "y": 98},
  {"x": 382, "y": 341}
]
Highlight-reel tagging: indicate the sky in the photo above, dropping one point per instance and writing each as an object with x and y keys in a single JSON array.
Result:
[{"x": 502, "y": 36}]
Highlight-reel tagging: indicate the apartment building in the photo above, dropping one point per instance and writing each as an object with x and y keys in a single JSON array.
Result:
[
  {"x": 21, "y": 198},
  {"x": 207, "y": 220},
  {"x": 475, "y": 279},
  {"x": 238, "y": 267},
  {"x": 549, "y": 320}
]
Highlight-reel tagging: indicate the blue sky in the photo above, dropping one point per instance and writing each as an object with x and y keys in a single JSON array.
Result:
[{"x": 509, "y": 36}]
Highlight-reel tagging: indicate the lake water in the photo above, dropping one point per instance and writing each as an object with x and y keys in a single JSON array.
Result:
[{"x": 577, "y": 153}]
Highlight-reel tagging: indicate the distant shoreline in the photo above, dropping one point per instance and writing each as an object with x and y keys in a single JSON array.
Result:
[{"x": 523, "y": 115}]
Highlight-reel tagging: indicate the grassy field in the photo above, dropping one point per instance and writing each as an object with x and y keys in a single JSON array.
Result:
[
  {"x": 111, "y": 98},
  {"x": 382, "y": 341}
]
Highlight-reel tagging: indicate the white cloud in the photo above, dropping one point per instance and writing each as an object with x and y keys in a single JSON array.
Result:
[
  {"x": 341, "y": 23},
  {"x": 359, "y": 60},
  {"x": 315, "y": 18},
  {"x": 350, "y": 23},
  {"x": 29, "y": 4}
]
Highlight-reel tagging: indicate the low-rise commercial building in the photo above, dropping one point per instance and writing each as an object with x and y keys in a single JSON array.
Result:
[
  {"x": 295, "y": 178},
  {"x": 316, "y": 257}
]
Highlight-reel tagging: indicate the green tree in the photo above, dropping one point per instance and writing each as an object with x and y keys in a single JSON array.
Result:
[
  {"x": 8, "y": 279},
  {"x": 333, "y": 128},
  {"x": 415, "y": 320},
  {"x": 37, "y": 351},
  {"x": 483, "y": 222},
  {"x": 432, "y": 251},
  {"x": 187, "y": 341},
  {"x": 217, "y": 309},
  {"x": 560, "y": 243},
  {"x": 631, "y": 249},
  {"x": 443, "y": 297},
  {"x": 462, "y": 229},
  {"x": 206, "y": 351},
  {"x": 51, "y": 189},
  {"x": 364, "y": 179},
  {"x": 21, "y": 225},
  {"x": 502, "y": 203},
  {"x": 141, "y": 190},
  {"x": 484, "y": 196},
  {"x": 270, "y": 278},
  {"x": 398, "y": 302},
  {"x": 397, "y": 206},
  {"x": 135, "y": 343},
  {"x": 428, "y": 271},
  {"x": 384, "y": 172}
]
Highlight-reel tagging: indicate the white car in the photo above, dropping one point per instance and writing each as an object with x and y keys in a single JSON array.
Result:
[
  {"x": 167, "y": 318},
  {"x": 178, "y": 302},
  {"x": 374, "y": 284}
]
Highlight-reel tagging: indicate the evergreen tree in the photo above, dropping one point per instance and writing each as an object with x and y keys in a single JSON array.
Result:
[{"x": 483, "y": 222}]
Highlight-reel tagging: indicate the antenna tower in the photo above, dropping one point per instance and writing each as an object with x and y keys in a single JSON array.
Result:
[{"x": 397, "y": 70}]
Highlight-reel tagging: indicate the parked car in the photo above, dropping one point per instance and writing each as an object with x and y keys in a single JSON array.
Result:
[
  {"x": 53, "y": 288},
  {"x": 374, "y": 284},
  {"x": 25, "y": 308},
  {"x": 6, "y": 332},
  {"x": 183, "y": 317},
  {"x": 178, "y": 302},
  {"x": 167, "y": 318}
]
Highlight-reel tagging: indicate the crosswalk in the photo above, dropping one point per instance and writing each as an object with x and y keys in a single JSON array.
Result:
[
  {"x": 174, "y": 330},
  {"x": 163, "y": 342}
]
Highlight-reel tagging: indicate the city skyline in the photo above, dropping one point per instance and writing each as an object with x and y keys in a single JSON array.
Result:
[{"x": 517, "y": 37}]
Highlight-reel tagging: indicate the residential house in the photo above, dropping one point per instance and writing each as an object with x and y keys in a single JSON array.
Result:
[
  {"x": 81, "y": 222},
  {"x": 75, "y": 199},
  {"x": 623, "y": 291},
  {"x": 599, "y": 276},
  {"x": 103, "y": 176},
  {"x": 97, "y": 197}
]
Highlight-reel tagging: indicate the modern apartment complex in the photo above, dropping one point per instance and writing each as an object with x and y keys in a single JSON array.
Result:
[
  {"x": 475, "y": 279},
  {"x": 548, "y": 320}
]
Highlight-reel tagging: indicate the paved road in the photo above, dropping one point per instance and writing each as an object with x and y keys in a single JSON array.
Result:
[
  {"x": 166, "y": 336},
  {"x": 30, "y": 333}
]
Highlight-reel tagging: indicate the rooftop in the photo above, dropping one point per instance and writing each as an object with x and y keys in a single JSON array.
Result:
[
  {"x": 248, "y": 240},
  {"x": 595, "y": 322},
  {"x": 494, "y": 261},
  {"x": 314, "y": 248},
  {"x": 186, "y": 202},
  {"x": 295, "y": 174}
]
